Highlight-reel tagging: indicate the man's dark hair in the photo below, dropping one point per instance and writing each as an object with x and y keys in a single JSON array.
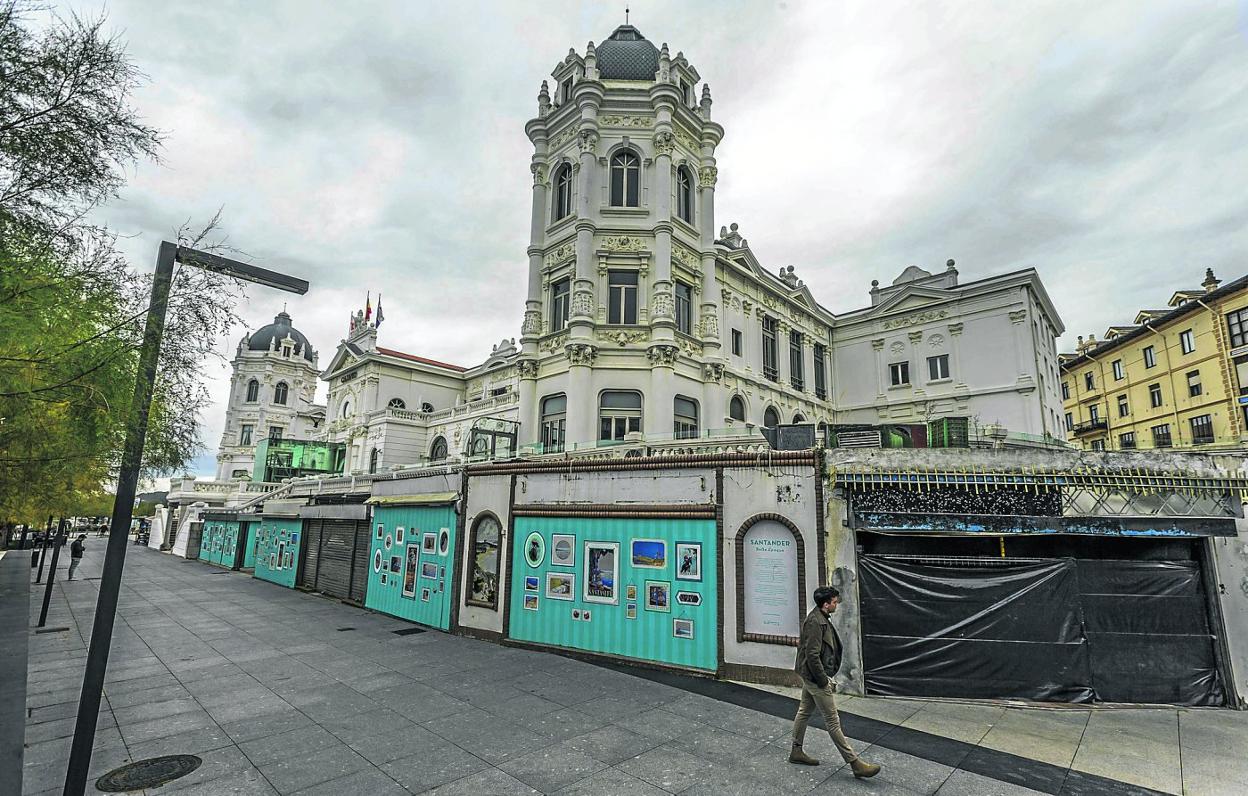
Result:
[{"x": 825, "y": 593}]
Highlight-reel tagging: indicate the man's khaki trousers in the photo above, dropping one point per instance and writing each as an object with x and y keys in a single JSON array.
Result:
[{"x": 813, "y": 695}]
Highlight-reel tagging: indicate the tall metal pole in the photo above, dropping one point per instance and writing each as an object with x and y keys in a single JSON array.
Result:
[
  {"x": 43, "y": 549},
  {"x": 56, "y": 554},
  {"x": 123, "y": 507}
]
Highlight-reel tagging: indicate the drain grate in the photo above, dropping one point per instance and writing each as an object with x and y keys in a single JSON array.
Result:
[
  {"x": 344, "y": 629},
  {"x": 150, "y": 773},
  {"x": 408, "y": 631}
]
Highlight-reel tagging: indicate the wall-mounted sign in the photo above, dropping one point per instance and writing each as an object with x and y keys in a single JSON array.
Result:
[{"x": 772, "y": 604}]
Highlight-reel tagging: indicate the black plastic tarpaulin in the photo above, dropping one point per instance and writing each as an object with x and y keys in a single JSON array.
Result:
[{"x": 1068, "y": 630}]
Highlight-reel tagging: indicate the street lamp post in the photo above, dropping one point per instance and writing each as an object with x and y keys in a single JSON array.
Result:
[{"x": 127, "y": 483}]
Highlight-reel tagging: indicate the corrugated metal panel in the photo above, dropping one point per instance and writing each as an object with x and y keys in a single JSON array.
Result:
[
  {"x": 311, "y": 551},
  {"x": 650, "y": 635},
  {"x": 360, "y": 563},
  {"x": 193, "y": 536},
  {"x": 337, "y": 548},
  {"x": 248, "y": 534},
  {"x": 278, "y": 546},
  {"x": 417, "y": 575}
]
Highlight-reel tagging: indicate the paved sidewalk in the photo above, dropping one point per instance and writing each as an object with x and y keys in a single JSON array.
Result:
[{"x": 284, "y": 692}]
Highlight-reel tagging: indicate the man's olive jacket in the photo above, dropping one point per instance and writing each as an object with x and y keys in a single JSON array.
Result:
[{"x": 818, "y": 649}]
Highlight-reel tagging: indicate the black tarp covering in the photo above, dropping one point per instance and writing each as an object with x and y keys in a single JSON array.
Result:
[{"x": 1069, "y": 630}]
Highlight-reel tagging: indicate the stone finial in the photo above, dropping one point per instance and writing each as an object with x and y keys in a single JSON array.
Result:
[
  {"x": 591, "y": 62},
  {"x": 1211, "y": 282},
  {"x": 789, "y": 278},
  {"x": 704, "y": 107},
  {"x": 875, "y": 284},
  {"x": 543, "y": 100},
  {"x": 731, "y": 238},
  {"x": 949, "y": 265},
  {"x": 664, "y": 75}
]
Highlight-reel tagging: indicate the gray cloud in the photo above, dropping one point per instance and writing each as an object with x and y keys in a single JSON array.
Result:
[{"x": 380, "y": 146}]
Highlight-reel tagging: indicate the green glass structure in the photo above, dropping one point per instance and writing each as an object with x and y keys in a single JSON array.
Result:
[
  {"x": 411, "y": 563},
  {"x": 648, "y": 587},
  {"x": 278, "y": 542},
  {"x": 277, "y": 459}
]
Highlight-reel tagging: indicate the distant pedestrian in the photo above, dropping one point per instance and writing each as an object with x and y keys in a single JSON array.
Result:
[
  {"x": 75, "y": 554},
  {"x": 818, "y": 661}
]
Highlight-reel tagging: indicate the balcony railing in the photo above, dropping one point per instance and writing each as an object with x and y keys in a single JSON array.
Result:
[{"x": 1091, "y": 427}]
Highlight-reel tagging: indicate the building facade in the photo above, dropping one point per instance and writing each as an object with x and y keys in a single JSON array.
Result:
[
  {"x": 272, "y": 395},
  {"x": 1175, "y": 378}
]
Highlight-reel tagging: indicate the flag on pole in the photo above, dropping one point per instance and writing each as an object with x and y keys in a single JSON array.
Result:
[
  {"x": 368, "y": 306},
  {"x": 380, "y": 317}
]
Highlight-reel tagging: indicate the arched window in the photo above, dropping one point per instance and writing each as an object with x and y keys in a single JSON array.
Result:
[
  {"x": 426, "y": 407},
  {"x": 372, "y": 460},
  {"x": 625, "y": 179},
  {"x": 486, "y": 544},
  {"x": 346, "y": 408},
  {"x": 437, "y": 451},
  {"x": 619, "y": 412},
  {"x": 684, "y": 194},
  {"x": 563, "y": 192},
  {"x": 771, "y": 418},
  {"x": 554, "y": 422},
  {"x": 797, "y": 418},
  {"x": 736, "y": 408},
  {"x": 772, "y": 548},
  {"x": 685, "y": 418},
  {"x": 397, "y": 403},
  {"x": 280, "y": 392},
  {"x": 253, "y": 391}
]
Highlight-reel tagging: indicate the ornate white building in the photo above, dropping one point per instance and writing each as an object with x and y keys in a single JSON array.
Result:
[
  {"x": 642, "y": 321},
  {"x": 272, "y": 394}
]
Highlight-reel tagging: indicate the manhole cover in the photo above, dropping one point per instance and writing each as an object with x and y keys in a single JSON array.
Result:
[{"x": 150, "y": 773}]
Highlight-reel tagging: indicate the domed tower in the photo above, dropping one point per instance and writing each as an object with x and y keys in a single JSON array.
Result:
[
  {"x": 620, "y": 322},
  {"x": 272, "y": 390}
]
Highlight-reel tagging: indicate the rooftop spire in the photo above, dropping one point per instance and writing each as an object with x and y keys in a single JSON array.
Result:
[{"x": 625, "y": 15}]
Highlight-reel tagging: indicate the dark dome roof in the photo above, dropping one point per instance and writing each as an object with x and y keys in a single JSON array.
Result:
[
  {"x": 626, "y": 55},
  {"x": 262, "y": 338}
]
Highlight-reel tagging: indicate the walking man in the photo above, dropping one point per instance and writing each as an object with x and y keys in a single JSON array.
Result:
[
  {"x": 818, "y": 660},
  {"x": 75, "y": 554}
]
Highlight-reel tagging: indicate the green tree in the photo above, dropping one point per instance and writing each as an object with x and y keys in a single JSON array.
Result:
[{"x": 71, "y": 308}]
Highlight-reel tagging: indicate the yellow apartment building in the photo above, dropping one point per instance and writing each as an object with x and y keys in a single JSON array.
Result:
[{"x": 1177, "y": 377}]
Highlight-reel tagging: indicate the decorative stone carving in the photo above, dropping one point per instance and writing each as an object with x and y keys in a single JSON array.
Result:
[
  {"x": 687, "y": 257},
  {"x": 1018, "y": 316},
  {"x": 527, "y": 368},
  {"x": 621, "y": 338},
  {"x": 663, "y": 355},
  {"x": 664, "y": 143},
  {"x": 583, "y": 303},
  {"x": 661, "y": 304},
  {"x": 554, "y": 343},
  {"x": 936, "y": 341},
  {"x": 918, "y": 317},
  {"x": 915, "y": 337},
  {"x": 588, "y": 141},
  {"x": 532, "y": 323},
  {"x": 564, "y": 252},
  {"x": 708, "y": 176},
  {"x": 692, "y": 349},
  {"x": 623, "y": 243},
  {"x": 539, "y": 173},
  {"x": 789, "y": 278},
  {"x": 897, "y": 347},
  {"x": 709, "y": 324},
  {"x": 728, "y": 236},
  {"x": 581, "y": 353},
  {"x": 687, "y": 139},
  {"x": 713, "y": 371},
  {"x": 562, "y": 137},
  {"x": 955, "y": 328},
  {"x": 626, "y": 121}
]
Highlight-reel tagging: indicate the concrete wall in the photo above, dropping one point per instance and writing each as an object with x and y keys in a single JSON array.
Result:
[{"x": 490, "y": 493}]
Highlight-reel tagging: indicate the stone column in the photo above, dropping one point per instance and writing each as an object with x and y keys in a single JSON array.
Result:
[
  {"x": 877, "y": 345},
  {"x": 955, "y": 354}
]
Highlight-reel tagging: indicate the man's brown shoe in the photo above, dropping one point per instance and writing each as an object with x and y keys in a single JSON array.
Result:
[
  {"x": 862, "y": 769},
  {"x": 798, "y": 756}
]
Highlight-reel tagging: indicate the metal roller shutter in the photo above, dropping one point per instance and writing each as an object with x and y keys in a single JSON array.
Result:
[
  {"x": 337, "y": 551},
  {"x": 360, "y": 564},
  {"x": 311, "y": 553}
]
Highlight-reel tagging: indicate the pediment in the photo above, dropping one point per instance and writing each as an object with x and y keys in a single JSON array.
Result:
[{"x": 911, "y": 298}]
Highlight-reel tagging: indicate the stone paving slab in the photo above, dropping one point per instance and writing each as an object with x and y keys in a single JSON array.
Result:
[{"x": 260, "y": 682}]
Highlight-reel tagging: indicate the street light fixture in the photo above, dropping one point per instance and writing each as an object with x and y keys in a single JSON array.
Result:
[{"x": 128, "y": 479}]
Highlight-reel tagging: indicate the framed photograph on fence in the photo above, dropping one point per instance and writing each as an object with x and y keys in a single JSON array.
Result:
[
  {"x": 649, "y": 553},
  {"x": 688, "y": 561},
  {"x": 409, "y": 574},
  {"x": 658, "y": 596},
  {"x": 602, "y": 572},
  {"x": 562, "y": 550},
  {"x": 560, "y": 586}
]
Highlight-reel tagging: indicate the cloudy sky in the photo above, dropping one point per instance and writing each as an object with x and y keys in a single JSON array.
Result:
[{"x": 379, "y": 146}]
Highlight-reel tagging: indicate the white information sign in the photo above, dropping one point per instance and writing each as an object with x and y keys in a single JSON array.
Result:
[{"x": 772, "y": 604}]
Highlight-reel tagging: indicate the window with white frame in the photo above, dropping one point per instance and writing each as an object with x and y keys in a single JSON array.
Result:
[
  {"x": 560, "y": 296},
  {"x": 619, "y": 412},
  {"x": 244, "y": 434},
  {"x": 736, "y": 342},
  {"x": 771, "y": 354},
  {"x": 622, "y": 297},
  {"x": 554, "y": 422},
  {"x": 1187, "y": 342},
  {"x": 253, "y": 391},
  {"x": 625, "y": 179},
  {"x": 685, "y": 418},
  {"x": 899, "y": 374},
  {"x": 275, "y": 432},
  {"x": 1119, "y": 374},
  {"x": 736, "y": 408},
  {"x": 1194, "y": 387},
  {"x": 396, "y": 403},
  {"x": 562, "y": 207},
  {"x": 1124, "y": 408},
  {"x": 438, "y": 450},
  {"x": 280, "y": 393},
  {"x": 684, "y": 194},
  {"x": 938, "y": 367},
  {"x": 796, "y": 374},
  {"x": 684, "y": 308},
  {"x": 1150, "y": 357},
  {"x": 1154, "y": 395}
]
